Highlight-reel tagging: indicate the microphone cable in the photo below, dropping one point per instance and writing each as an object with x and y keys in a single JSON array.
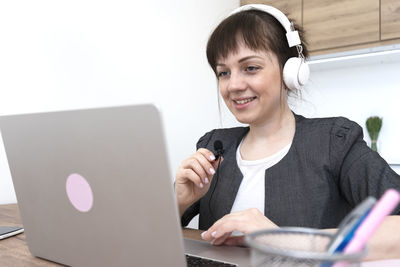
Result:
[{"x": 219, "y": 149}]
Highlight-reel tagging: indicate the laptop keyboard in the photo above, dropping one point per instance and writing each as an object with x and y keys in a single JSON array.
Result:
[{"x": 194, "y": 261}]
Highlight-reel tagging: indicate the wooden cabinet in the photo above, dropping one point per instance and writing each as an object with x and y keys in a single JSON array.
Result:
[
  {"x": 333, "y": 26},
  {"x": 390, "y": 19},
  {"x": 340, "y": 23}
]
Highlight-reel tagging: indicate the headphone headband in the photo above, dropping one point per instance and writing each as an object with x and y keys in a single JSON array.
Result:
[{"x": 292, "y": 35}]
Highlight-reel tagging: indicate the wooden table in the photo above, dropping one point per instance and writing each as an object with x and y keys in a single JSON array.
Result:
[{"x": 14, "y": 250}]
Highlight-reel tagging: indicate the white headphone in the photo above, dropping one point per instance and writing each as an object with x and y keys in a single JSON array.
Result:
[{"x": 296, "y": 70}]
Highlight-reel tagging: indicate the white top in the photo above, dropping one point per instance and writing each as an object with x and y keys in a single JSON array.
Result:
[{"x": 251, "y": 193}]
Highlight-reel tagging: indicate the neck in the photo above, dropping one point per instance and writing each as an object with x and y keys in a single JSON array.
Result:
[
  {"x": 268, "y": 138},
  {"x": 279, "y": 125}
]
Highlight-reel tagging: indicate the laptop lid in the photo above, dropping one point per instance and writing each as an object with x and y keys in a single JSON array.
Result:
[{"x": 94, "y": 187}]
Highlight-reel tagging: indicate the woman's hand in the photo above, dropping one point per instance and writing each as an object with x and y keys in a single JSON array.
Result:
[
  {"x": 193, "y": 178},
  {"x": 243, "y": 221}
]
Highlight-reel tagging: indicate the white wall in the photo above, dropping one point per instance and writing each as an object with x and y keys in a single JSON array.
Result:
[{"x": 57, "y": 55}]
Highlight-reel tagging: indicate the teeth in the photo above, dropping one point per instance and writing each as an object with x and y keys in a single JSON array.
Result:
[{"x": 244, "y": 101}]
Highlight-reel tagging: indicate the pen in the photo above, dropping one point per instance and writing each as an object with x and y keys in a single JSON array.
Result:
[
  {"x": 349, "y": 224},
  {"x": 386, "y": 204}
]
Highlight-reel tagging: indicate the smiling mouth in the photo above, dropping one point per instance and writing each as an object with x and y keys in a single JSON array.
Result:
[{"x": 244, "y": 101}]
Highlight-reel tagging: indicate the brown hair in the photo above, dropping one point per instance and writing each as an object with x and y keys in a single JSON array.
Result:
[{"x": 259, "y": 30}]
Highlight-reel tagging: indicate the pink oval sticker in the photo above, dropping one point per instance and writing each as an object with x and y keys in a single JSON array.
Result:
[{"x": 79, "y": 192}]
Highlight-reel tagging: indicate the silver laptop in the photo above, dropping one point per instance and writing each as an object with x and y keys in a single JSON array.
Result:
[{"x": 94, "y": 189}]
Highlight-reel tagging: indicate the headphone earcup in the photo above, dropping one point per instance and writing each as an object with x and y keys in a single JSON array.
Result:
[{"x": 295, "y": 73}]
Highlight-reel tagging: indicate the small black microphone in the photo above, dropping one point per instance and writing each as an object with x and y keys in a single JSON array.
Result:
[{"x": 219, "y": 149}]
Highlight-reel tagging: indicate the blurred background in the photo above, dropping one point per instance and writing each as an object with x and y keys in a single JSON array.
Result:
[{"x": 61, "y": 55}]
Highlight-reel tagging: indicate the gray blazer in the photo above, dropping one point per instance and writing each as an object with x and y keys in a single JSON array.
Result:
[{"x": 328, "y": 170}]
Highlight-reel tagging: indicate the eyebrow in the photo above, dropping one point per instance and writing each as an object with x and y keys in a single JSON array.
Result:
[{"x": 242, "y": 60}]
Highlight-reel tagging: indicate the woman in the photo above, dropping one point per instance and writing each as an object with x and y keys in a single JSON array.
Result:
[{"x": 283, "y": 169}]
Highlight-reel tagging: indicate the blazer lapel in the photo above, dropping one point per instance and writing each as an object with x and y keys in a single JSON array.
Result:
[{"x": 230, "y": 177}]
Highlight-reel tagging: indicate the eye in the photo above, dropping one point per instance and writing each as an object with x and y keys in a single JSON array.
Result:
[
  {"x": 252, "y": 69},
  {"x": 221, "y": 74}
]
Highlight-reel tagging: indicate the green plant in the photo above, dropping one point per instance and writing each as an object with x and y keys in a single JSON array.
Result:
[{"x": 374, "y": 125}]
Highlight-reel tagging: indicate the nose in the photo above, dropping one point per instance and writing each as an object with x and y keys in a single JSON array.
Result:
[{"x": 237, "y": 82}]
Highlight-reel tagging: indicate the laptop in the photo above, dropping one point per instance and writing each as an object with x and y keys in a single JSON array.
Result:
[{"x": 94, "y": 189}]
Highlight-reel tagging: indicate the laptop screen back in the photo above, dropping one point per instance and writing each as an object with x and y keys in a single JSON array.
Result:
[{"x": 93, "y": 186}]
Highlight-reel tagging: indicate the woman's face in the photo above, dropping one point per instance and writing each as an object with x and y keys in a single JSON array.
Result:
[{"x": 251, "y": 86}]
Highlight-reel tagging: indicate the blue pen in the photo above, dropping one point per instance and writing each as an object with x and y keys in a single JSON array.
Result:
[{"x": 348, "y": 226}]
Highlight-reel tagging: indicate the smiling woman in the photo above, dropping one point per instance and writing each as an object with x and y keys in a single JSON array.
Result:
[
  {"x": 283, "y": 169},
  {"x": 250, "y": 85}
]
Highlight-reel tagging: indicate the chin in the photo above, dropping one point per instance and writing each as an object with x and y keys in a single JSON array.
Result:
[
  {"x": 244, "y": 117},
  {"x": 244, "y": 120}
]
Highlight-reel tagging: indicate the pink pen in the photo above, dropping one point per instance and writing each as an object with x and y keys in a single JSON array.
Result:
[{"x": 386, "y": 204}]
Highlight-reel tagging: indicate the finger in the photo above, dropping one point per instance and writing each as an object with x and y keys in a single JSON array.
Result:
[
  {"x": 220, "y": 240},
  {"x": 217, "y": 162},
  {"x": 192, "y": 176},
  {"x": 207, "y": 154},
  {"x": 194, "y": 164},
  {"x": 211, "y": 157},
  {"x": 235, "y": 241},
  {"x": 206, "y": 164},
  {"x": 210, "y": 234},
  {"x": 207, "y": 235},
  {"x": 220, "y": 227}
]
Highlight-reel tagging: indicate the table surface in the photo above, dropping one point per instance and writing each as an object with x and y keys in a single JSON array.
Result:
[{"x": 14, "y": 250}]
